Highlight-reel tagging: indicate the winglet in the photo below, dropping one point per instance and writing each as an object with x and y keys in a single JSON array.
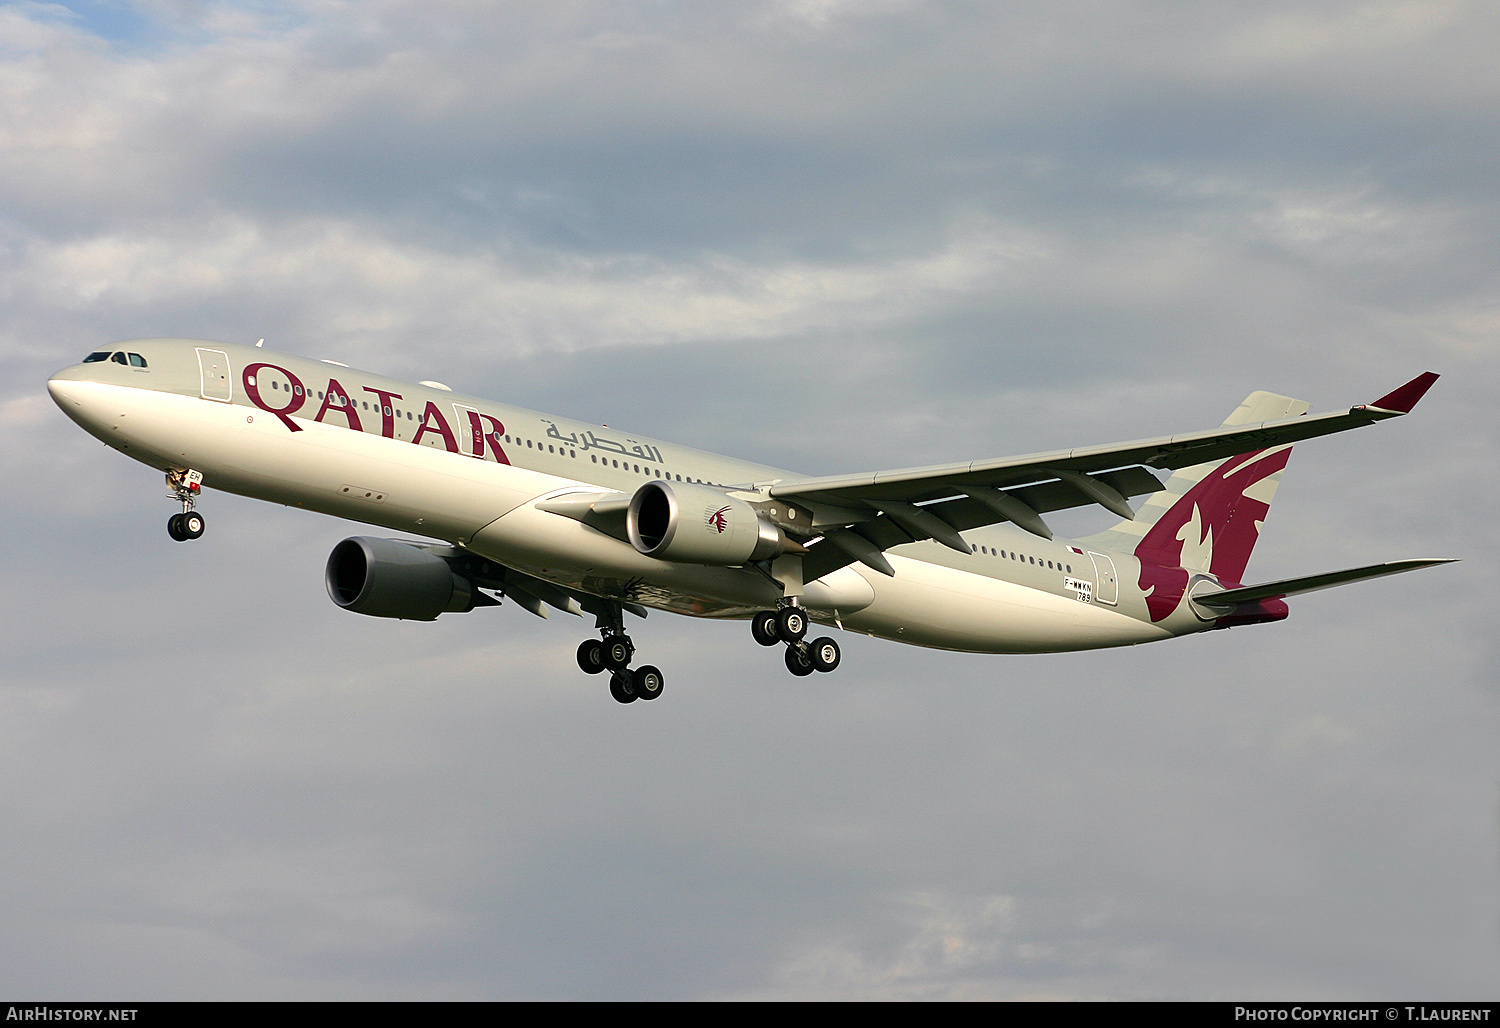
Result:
[{"x": 1405, "y": 398}]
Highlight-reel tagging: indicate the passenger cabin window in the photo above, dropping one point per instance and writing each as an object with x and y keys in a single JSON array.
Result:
[{"x": 95, "y": 358}]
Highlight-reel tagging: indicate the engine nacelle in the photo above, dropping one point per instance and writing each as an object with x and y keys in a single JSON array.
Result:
[
  {"x": 387, "y": 579},
  {"x": 696, "y": 524}
]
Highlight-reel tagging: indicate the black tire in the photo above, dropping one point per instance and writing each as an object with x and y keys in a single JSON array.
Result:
[
  {"x": 796, "y": 663},
  {"x": 617, "y": 653},
  {"x": 174, "y": 528},
  {"x": 824, "y": 654},
  {"x": 791, "y": 624},
  {"x": 622, "y": 686},
  {"x": 192, "y": 524},
  {"x": 763, "y": 627},
  {"x": 647, "y": 682},
  {"x": 591, "y": 656}
]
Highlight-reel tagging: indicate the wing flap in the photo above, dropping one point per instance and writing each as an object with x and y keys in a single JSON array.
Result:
[
  {"x": 969, "y": 512},
  {"x": 963, "y": 514}
]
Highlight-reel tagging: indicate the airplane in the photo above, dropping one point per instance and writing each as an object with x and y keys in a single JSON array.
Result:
[{"x": 549, "y": 512}]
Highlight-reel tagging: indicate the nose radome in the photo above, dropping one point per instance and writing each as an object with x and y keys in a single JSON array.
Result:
[
  {"x": 65, "y": 385},
  {"x": 77, "y": 396},
  {"x": 64, "y": 390}
]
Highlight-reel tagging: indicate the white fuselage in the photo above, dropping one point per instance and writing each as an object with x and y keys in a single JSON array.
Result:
[{"x": 470, "y": 472}]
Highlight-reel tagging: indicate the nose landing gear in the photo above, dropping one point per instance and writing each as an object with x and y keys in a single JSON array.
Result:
[
  {"x": 185, "y": 526},
  {"x": 185, "y": 486}
]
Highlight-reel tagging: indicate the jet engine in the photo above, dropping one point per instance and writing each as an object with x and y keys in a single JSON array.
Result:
[
  {"x": 696, "y": 524},
  {"x": 389, "y": 579}
]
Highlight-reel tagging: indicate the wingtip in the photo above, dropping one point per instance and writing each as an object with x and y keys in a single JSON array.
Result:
[
  {"x": 1418, "y": 563},
  {"x": 1403, "y": 399}
]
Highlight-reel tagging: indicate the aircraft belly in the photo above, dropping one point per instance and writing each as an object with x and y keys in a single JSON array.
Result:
[
  {"x": 570, "y": 553},
  {"x": 328, "y": 468},
  {"x": 930, "y": 605}
]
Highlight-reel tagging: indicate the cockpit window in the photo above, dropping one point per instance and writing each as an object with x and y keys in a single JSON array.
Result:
[
  {"x": 137, "y": 361},
  {"x": 118, "y": 358},
  {"x": 94, "y": 358}
]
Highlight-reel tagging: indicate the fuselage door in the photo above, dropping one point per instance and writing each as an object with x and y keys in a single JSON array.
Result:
[
  {"x": 1108, "y": 589},
  {"x": 470, "y": 430},
  {"x": 213, "y": 369}
]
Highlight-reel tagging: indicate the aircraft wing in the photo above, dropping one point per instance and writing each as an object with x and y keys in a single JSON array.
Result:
[
  {"x": 1310, "y": 583},
  {"x": 533, "y": 594},
  {"x": 864, "y": 514},
  {"x": 915, "y": 485}
]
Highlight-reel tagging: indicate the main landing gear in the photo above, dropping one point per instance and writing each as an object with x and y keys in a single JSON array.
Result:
[
  {"x": 788, "y": 625},
  {"x": 613, "y": 653},
  {"x": 185, "y": 486}
]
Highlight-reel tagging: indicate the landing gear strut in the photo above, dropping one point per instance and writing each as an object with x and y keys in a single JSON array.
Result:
[
  {"x": 184, "y": 486},
  {"x": 788, "y": 625},
  {"x": 613, "y": 653}
]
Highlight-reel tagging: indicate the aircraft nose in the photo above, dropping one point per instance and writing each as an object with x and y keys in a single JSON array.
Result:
[
  {"x": 77, "y": 395},
  {"x": 64, "y": 389}
]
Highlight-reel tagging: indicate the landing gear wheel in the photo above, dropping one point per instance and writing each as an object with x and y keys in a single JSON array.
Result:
[
  {"x": 824, "y": 654},
  {"x": 174, "y": 528},
  {"x": 763, "y": 627},
  {"x": 796, "y": 663},
  {"x": 791, "y": 624},
  {"x": 647, "y": 682},
  {"x": 192, "y": 524},
  {"x": 622, "y": 686},
  {"x": 591, "y": 656},
  {"x": 617, "y": 652}
]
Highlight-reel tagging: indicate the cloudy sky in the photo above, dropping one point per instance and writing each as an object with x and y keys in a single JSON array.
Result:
[{"x": 829, "y": 235}]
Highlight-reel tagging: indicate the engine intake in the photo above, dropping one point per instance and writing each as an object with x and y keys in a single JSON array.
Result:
[
  {"x": 696, "y": 524},
  {"x": 387, "y": 579}
]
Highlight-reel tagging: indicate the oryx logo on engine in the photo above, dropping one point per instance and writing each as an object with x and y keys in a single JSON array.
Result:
[{"x": 717, "y": 520}]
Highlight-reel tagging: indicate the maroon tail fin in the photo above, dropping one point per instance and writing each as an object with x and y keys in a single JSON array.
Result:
[
  {"x": 1212, "y": 527},
  {"x": 1207, "y": 517}
]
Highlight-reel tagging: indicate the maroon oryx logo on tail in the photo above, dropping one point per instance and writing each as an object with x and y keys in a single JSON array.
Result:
[
  {"x": 1217, "y": 522},
  {"x": 718, "y": 520}
]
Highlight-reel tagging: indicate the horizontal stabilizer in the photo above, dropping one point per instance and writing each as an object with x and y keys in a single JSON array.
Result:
[{"x": 1291, "y": 586}]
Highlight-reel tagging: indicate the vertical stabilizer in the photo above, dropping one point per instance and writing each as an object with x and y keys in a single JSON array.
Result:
[{"x": 1207, "y": 517}]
